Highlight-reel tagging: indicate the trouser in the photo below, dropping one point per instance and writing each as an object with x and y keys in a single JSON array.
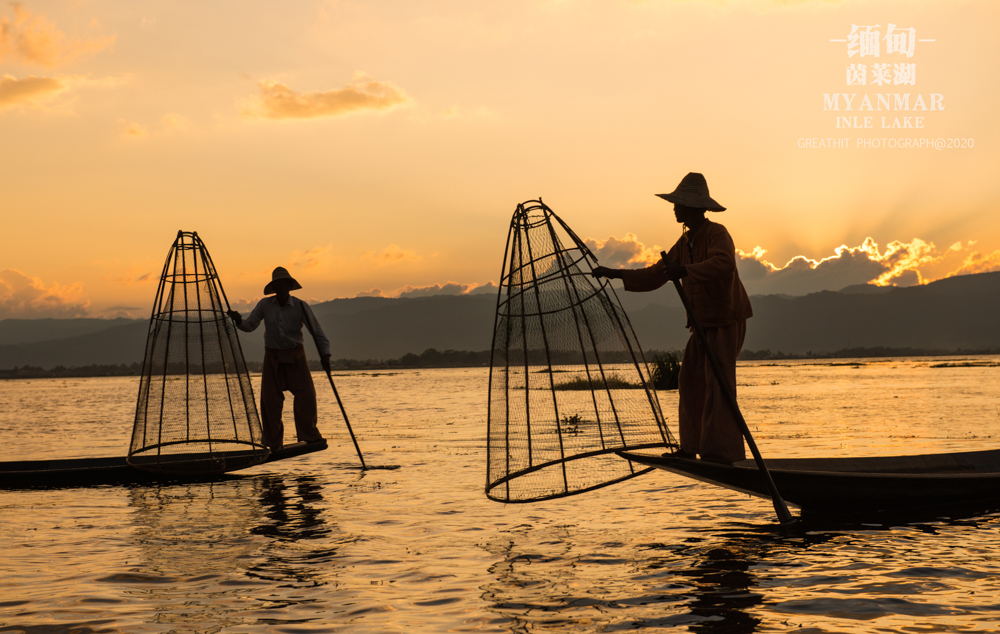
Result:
[
  {"x": 287, "y": 370},
  {"x": 707, "y": 423}
]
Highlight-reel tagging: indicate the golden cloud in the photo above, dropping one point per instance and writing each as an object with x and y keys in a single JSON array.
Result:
[
  {"x": 392, "y": 254},
  {"x": 900, "y": 264},
  {"x": 244, "y": 305},
  {"x": 31, "y": 39},
  {"x": 170, "y": 123},
  {"x": 135, "y": 277},
  {"x": 977, "y": 262},
  {"x": 623, "y": 252},
  {"x": 39, "y": 92},
  {"x": 448, "y": 288},
  {"x": 278, "y": 101},
  {"x": 311, "y": 258},
  {"x": 25, "y": 297},
  {"x": 32, "y": 92},
  {"x": 134, "y": 130}
]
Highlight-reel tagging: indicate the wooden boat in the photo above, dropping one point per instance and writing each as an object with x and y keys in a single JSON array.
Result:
[
  {"x": 75, "y": 472},
  {"x": 850, "y": 486}
]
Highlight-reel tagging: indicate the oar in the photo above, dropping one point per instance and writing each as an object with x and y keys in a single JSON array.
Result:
[
  {"x": 335, "y": 393},
  {"x": 344, "y": 412},
  {"x": 779, "y": 504}
]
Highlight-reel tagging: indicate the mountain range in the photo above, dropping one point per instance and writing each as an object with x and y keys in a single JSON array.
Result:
[{"x": 955, "y": 313}]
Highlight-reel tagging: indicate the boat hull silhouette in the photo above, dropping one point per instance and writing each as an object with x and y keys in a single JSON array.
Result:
[
  {"x": 849, "y": 486},
  {"x": 97, "y": 471}
]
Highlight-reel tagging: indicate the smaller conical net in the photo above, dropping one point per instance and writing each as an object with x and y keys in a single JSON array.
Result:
[
  {"x": 569, "y": 385},
  {"x": 196, "y": 412}
]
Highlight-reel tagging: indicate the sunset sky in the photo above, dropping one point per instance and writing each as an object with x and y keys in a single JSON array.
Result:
[{"x": 377, "y": 147}]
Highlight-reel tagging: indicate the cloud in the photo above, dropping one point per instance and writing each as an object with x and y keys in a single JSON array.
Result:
[
  {"x": 24, "y": 297},
  {"x": 448, "y": 288},
  {"x": 243, "y": 305},
  {"x": 483, "y": 289},
  {"x": 31, "y": 39},
  {"x": 310, "y": 258},
  {"x": 126, "y": 312},
  {"x": 801, "y": 275},
  {"x": 977, "y": 262},
  {"x": 39, "y": 92},
  {"x": 136, "y": 278},
  {"x": 900, "y": 264},
  {"x": 391, "y": 255},
  {"x": 627, "y": 252},
  {"x": 134, "y": 130},
  {"x": 32, "y": 92},
  {"x": 278, "y": 101},
  {"x": 170, "y": 123}
]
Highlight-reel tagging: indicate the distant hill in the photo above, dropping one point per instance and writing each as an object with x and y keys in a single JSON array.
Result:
[
  {"x": 118, "y": 343},
  {"x": 960, "y": 312},
  {"x": 957, "y": 312},
  {"x": 359, "y": 328},
  {"x": 18, "y": 331}
]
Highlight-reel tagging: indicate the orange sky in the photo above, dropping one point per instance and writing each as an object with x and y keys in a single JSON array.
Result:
[{"x": 384, "y": 145}]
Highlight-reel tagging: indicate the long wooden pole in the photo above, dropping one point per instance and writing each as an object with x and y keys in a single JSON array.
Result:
[
  {"x": 344, "y": 412},
  {"x": 779, "y": 504}
]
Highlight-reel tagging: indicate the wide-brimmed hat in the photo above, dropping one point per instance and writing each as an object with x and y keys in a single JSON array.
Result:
[
  {"x": 280, "y": 273},
  {"x": 693, "y": 192}
]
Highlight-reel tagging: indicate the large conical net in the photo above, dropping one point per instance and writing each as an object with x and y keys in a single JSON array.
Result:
[
  {"x": 568, "y": 382},
  {"x": 196, "y": 412}
]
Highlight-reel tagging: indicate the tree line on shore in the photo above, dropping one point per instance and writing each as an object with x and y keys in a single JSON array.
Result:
[{"x": 432, "y": 358}]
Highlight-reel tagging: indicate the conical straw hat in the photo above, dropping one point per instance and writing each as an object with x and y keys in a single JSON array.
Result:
[
  {"x": 693, "y": 192},
  {"x": 281, "y": 273}
]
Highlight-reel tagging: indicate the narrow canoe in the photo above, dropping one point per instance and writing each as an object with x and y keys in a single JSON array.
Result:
[
  {"x": 75, "y": 472},
  {"x": 850, "y": 486}
]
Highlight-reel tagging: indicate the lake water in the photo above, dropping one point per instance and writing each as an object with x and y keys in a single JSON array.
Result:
[{"x": 313, "y": 544}]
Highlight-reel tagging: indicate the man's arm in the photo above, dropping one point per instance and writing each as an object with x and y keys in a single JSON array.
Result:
[
  {"x": 322, "y": 343},
  {"x": 252, "y": 321},
  {"x": 649, "y": 278}
]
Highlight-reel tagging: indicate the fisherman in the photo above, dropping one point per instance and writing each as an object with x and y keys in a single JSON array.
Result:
[
  {"x": 285, "y": 365},
  {"x": 704, "y": 259}
]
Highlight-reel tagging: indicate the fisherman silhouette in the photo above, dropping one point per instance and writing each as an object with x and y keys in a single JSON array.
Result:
[
  {"x": 285, "y": 366},
  {"x": 704, "y": 259}
]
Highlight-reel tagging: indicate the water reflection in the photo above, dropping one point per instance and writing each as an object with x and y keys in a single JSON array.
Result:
[
  {"x": 292, "y": 519},
  {"x": 201, "y": 546},
  {"x": 721, "y": 592},
  {"x": 545, "y": 579}
]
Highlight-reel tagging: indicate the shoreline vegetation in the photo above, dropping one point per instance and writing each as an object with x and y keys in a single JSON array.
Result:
[{"x": 664, "y": 363}]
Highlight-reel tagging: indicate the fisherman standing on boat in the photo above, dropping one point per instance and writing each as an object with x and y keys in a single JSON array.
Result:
[
  {"x": 704, "y": 259},
  {"x": 285, "y": 365}
]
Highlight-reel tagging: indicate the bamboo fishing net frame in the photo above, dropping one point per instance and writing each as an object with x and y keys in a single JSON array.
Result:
[
  {"x": 552, "y": 313},
  {"x": 210, "y": 423}
]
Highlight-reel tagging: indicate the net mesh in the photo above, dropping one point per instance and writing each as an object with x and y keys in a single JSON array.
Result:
[
  {"x": 196, "y": 411},
  {"x": 569, "y": 385}
]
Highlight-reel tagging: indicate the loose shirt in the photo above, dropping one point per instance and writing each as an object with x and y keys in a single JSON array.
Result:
[
  {"x": 712, "y": 283},
  {"x": 283, "y": 325}
]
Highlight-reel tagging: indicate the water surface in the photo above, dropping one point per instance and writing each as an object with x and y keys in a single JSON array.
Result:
[{"x": 315, "y": 544}]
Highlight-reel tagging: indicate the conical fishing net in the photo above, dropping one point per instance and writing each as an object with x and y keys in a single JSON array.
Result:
[
  {"x": 196, "y": 412},
  {"x": 568, "y": 382}
]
